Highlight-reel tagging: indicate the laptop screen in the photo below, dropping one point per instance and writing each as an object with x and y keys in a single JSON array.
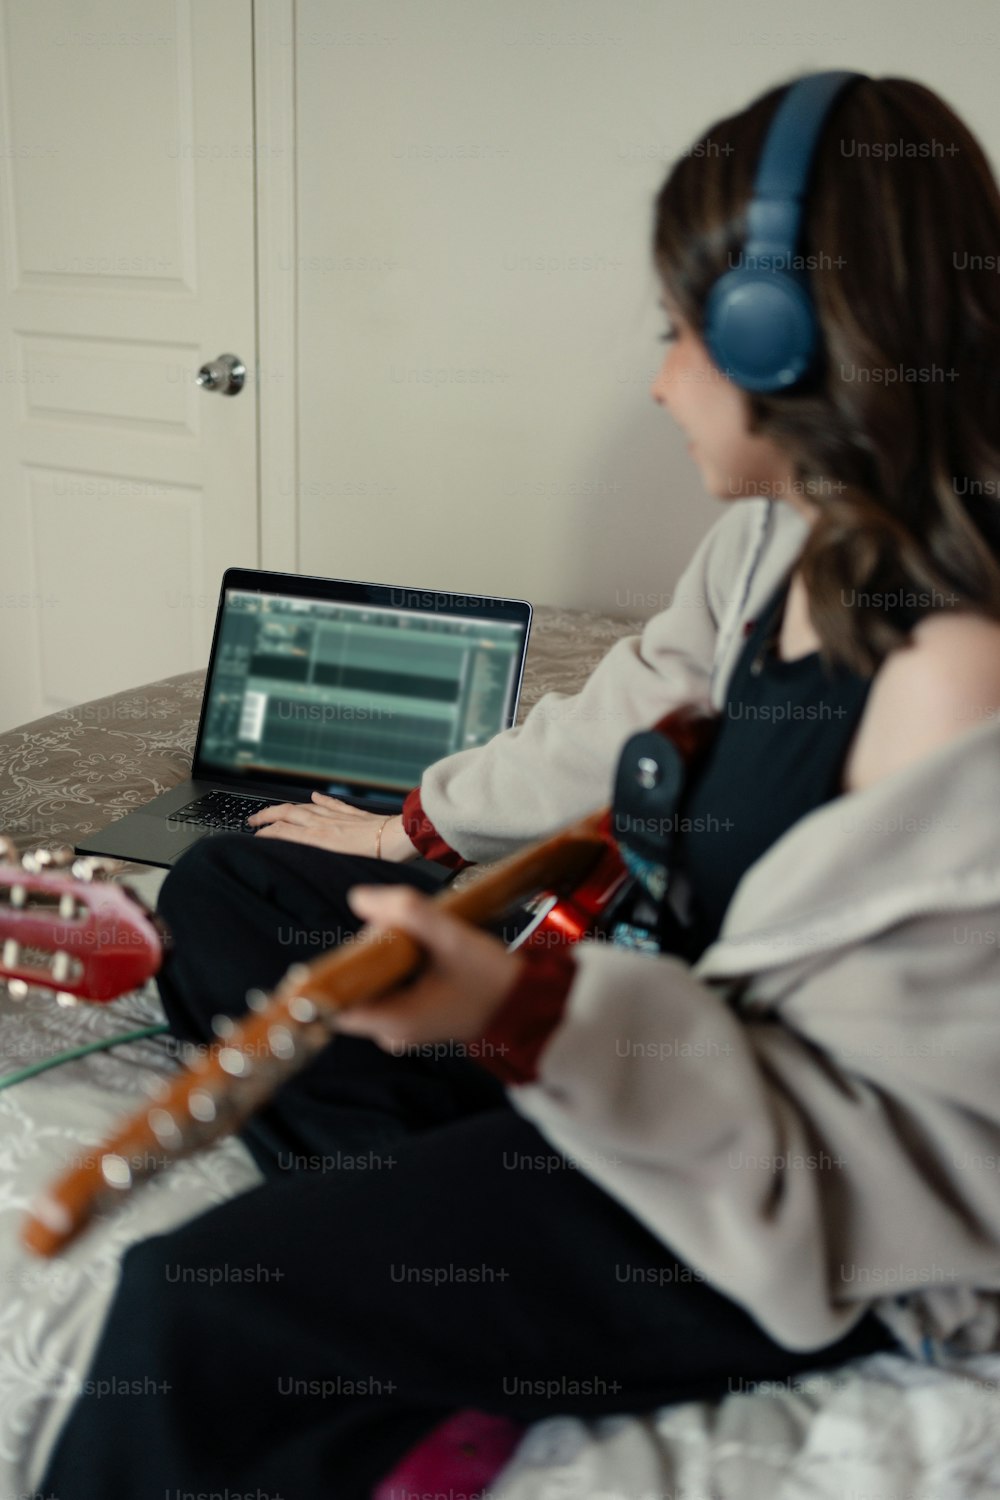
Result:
[{"x": 352, "y": 693}]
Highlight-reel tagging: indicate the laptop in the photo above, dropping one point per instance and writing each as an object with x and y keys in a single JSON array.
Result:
[{"x": 347, "y": 688}]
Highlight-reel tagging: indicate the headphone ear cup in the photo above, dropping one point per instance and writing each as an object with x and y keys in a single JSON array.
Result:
[{"x": 760, "y": 328}]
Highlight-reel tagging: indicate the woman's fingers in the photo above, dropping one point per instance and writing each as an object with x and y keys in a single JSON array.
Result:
[
  {"x": 290, "y": 831},
  {"x": 417, "y": 913},
  {"x": 268, "y": 814},
  {"x": 283, "y": 812},
  {"x": 334, "y": 804},
  {"x": 325, "y": 822},
  {"x": 321, "y": 805},
  {"x": 462, "y": 982},
  {"x": 304, "y": 823}
]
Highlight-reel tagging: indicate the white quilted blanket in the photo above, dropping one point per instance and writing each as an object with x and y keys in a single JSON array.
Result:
[
  {"x": 51, "y": 1311},
  {"x": 882, "y": 1428}
]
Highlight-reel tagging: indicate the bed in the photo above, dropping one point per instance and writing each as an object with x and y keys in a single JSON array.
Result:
[{"x": 881, "y": 1428}]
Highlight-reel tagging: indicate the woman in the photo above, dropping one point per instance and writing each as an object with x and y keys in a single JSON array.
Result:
[{"x": 636, "y": 1177}]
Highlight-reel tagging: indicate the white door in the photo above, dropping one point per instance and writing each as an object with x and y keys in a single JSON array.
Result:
[{"x": 127, "y": 206}]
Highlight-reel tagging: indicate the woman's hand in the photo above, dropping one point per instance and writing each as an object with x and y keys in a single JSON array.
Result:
[
  {"x": 329, "y": 824},
  {"x": 467, "y": 974}
]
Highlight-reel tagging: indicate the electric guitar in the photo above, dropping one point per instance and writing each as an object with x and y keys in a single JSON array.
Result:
[{"x": 85, "y": 937}]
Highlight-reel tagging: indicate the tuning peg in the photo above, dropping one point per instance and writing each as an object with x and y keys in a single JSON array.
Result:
[
  {"x": 302, "y": 1009},
  {"x": 62, "y": 855},
  {"x": 93, "y": 867},
  {"x": 62, "y": 966},
  {"x": 36, "y": 860},
  {"x": 17, "y": 989},
  {"x": 8, "y": 851},
  {"x": 115, "y": 1170},
  {"x": 42, "y": 858},
  {"x": 234, "y": 1062},
  {"x": 201, "y": 1106},
  {"x": 11, "y": 955},
  {"x": 65, "y": 998},
  {"x": 281, "y": 1042},
  {"x": 164, "y": 1127}
]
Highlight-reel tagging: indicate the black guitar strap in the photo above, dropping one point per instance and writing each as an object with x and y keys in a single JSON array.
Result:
[{"x": 649, "y": 783}]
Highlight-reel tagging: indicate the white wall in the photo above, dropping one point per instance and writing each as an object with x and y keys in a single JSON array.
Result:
[{"x": 475, "y": 181}]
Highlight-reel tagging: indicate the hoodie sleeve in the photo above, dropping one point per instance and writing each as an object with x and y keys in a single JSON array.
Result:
[
  {"x": 424, "y": 836},
  {"x": 558, "y": 764},
  {"x": 809, "y": 1158}
]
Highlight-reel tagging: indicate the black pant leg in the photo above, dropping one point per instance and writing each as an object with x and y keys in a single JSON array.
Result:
[
  {"x": 297, "y": 1339},
  {"x": 241, "y": 911}
]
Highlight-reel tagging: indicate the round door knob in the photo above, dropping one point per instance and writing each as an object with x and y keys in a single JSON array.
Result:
[{"x": 225, "y": 374}]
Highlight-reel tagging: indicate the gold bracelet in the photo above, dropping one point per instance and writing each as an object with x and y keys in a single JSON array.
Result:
[{"x": 378, "y": 837}]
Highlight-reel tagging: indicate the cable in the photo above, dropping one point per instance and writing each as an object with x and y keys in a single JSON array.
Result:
[{"x": 21, "y": 1074}]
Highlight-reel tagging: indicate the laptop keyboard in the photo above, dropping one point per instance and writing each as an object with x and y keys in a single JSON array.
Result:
[{"x": 228, "y": 810}]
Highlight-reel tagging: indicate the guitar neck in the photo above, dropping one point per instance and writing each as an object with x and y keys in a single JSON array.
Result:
[{"x": 283, "y": 1032}]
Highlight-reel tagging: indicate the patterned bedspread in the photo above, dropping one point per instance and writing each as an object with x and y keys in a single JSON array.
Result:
[{"x": 883, "y": 1428}]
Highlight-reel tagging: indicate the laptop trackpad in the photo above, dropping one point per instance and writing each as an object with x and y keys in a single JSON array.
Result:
[{"x": 146, "y": 840}]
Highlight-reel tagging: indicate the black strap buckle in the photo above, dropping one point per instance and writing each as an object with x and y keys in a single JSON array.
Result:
[{"x": 648, "y": 786}]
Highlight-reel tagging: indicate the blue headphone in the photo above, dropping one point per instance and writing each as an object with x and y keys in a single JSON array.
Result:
[{"x": 761, "y": 326}]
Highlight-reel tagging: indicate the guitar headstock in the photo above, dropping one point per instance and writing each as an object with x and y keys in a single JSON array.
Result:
[{"x": 65, "y": 927}]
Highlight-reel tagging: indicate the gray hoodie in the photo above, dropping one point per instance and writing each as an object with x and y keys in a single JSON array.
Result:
[{"x": 810, "y": 1116}]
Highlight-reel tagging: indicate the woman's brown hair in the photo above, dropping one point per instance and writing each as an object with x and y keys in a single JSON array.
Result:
[{"x": 896, "y": 439}]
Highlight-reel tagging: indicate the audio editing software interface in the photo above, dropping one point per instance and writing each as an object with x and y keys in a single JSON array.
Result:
[{"x": 353, "y": 692}]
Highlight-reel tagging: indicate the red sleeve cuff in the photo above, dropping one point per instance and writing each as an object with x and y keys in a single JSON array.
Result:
[
  {"x": 424, "y": 836},
  {"x": 521, "y": 1028}
]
